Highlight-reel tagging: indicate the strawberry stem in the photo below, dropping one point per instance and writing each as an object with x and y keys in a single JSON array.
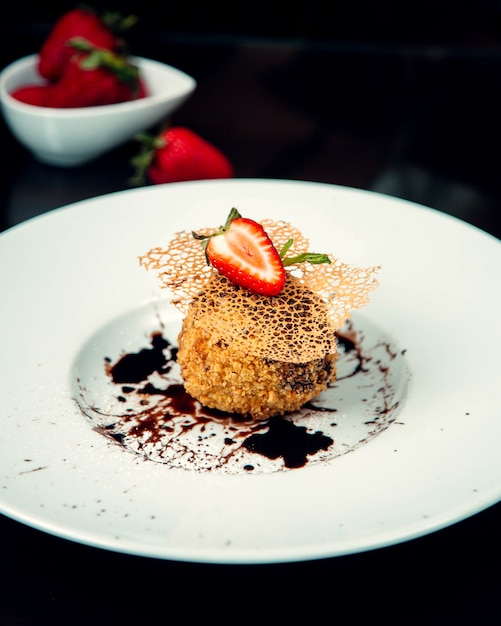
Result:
[
  {"x": 142, "y": 161},
  {"x": 117, "y": 23},
  {"x": 222, "y": 229},
  {"x": 232, "y": 216}
]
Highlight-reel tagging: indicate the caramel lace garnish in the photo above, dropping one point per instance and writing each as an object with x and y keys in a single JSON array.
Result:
[{"x": 325, "y": 293}]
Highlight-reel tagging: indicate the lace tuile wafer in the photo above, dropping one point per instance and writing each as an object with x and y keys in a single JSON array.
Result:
[{"x": 297, "y": 326}]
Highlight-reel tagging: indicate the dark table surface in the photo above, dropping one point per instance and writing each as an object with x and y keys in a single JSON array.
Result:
[{"x": 416, "y": 120}]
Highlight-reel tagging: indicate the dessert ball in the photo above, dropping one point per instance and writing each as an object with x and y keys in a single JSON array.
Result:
[{"x": 257, "y": 356}]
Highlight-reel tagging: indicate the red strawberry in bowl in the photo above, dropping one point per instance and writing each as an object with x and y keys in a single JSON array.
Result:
[
  {"x": 37, "y": 95},
  {"x": 99, "y": 31},
  {"x": 95, "y": 77},
  {"x": 178, "y": 154}
]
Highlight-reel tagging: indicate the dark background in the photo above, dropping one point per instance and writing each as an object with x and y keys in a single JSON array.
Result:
[
  {"x": 397, "y": 97},
  {"x": 439, "y": 22}
]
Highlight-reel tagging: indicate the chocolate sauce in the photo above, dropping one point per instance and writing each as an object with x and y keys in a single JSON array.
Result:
[
  {"x": 283, "y": 439},
  {"x": 156, "y": 418},
  {"x": 348, "y": 345},
  {"x": 135, "y": 368}
]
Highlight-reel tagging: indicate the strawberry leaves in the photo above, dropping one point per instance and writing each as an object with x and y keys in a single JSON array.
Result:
[
  {"x": 310, "y": 257},
  {"x": 204, "y": 239},
  {"x": 141, "y": 162},
  {"x": 95, "y": 58}
]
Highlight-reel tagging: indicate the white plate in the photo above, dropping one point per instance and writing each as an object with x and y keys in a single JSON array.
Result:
[{"x": 73, "y": 294}]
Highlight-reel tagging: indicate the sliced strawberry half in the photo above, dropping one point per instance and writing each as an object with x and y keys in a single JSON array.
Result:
[{"x": 242, "y": 251}]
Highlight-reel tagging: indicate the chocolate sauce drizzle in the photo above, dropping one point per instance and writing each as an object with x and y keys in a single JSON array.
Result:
[
  {"x": 135, "y": 368},
  {"x": 282, "y": 439},
  {"x": 153, "y": 416}
]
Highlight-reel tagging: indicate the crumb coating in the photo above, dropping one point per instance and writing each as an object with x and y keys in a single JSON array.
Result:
[
  {"x": 230, "y": 380},
  {"x": 233, "y": 373}
]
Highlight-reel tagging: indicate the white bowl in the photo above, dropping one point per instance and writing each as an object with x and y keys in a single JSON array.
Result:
[{"x": 71, "y": 137}]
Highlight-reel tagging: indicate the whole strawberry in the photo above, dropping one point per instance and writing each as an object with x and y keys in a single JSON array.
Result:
[
  {"x": 178, "y": 154},
  {"x": 95, "y": 77},
  {"x": 55, "y": 52}
]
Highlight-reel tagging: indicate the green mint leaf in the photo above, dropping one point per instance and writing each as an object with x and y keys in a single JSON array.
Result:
[{"x": 309, "y": 257}]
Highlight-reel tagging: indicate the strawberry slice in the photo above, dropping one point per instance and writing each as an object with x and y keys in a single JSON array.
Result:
[{"x": 242, "y": 251}]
